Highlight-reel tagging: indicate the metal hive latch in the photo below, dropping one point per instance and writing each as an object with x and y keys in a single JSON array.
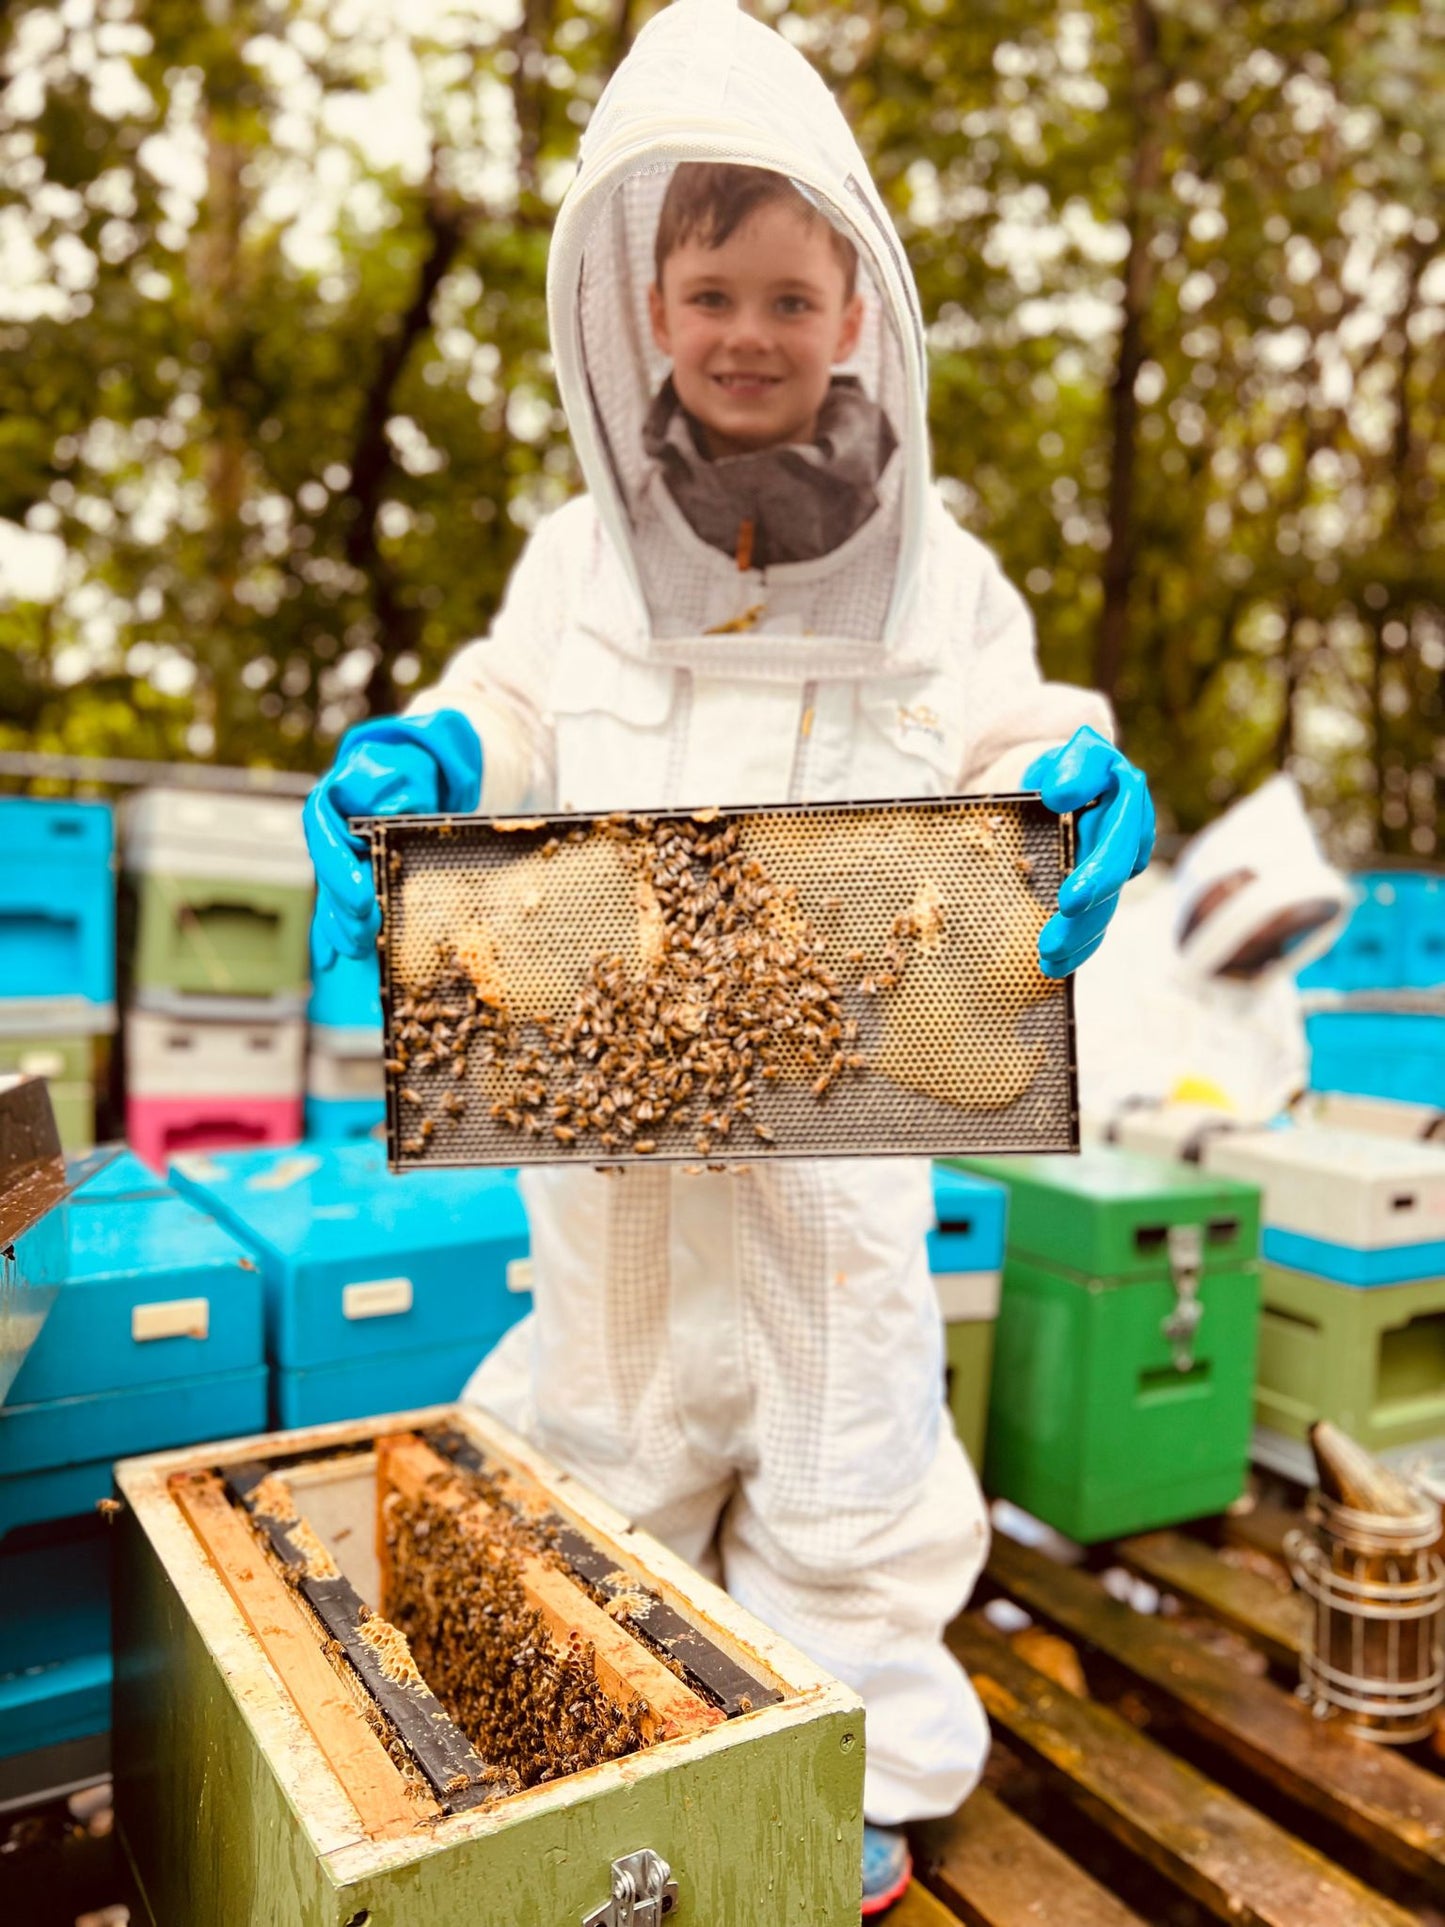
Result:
[
  {"x": 643, "y": 1893},
  {"x": 1186, "y": 1262}
]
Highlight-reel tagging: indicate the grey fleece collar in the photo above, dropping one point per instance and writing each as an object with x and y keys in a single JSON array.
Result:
[{"x": 803, "y": 500}]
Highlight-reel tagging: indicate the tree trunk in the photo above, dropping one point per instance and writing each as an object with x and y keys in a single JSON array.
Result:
[{"x": 1147, "y": 99}]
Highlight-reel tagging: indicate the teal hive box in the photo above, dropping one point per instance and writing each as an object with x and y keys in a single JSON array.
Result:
[
  {"x": 369, "y": 1276},
  {"x": 154, "y": 1338},
  {"x": 57, "y": 916},
  {"x": 1093, "y": 1425}
]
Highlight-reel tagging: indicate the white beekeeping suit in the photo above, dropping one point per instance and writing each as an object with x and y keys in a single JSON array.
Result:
[
  {"x": 1192, "y": 994},
  {"x": 750, "y": 1364}
]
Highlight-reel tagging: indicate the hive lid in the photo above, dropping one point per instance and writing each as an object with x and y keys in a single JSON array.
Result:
[
  {"x": 337, "y": 1203},
  {"x": 1107, "y": 1213}
]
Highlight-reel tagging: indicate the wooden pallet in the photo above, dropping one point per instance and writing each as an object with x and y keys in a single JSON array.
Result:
[{"x": 1187, "y": 1783}]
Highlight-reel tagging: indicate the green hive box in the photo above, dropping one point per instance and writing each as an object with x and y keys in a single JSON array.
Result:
[
  {"x": 1371, "y": 1361},
  {"x": 1108, "y": 1414},
  {"x": 234, "y": 1807},
  {"x": 219, "y": 937}
]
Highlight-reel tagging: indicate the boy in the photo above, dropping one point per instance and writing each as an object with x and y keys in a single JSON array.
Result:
[{"x": 760, "y": 598}]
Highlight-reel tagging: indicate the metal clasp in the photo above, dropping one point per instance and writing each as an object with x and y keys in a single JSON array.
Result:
[
  {"x": 643, "y": 1893},
  {"x": 1186, "y": 1262}
]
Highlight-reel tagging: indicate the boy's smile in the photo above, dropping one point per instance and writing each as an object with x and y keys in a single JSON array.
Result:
[{"x": 754, "y": 328}]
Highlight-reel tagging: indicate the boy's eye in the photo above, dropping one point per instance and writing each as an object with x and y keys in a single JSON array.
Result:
[
  {"x": 708, "y": 298},
  {"x": 794, "y": 304}
]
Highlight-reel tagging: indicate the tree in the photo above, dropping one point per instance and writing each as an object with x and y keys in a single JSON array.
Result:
[{"x": 289, "y": 408}]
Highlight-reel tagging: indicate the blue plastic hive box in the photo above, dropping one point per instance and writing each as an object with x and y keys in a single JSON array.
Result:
[
  {"x": 971, "y": 1216},
  {"x": 57, "y": 912},
  {"x": 154, "y": 1339},
  {"x": 1398, "y": 1054},
  {"x": 342, "y": 1120},
  {"x": 1425, "y": 934},
  {"x": 54, "y": 1634},
  {"x": 377, "y": 1285},
  {"x": 1348, "y": 1264}
]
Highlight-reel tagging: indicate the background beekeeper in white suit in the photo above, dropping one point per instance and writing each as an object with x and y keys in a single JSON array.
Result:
[
  {"x": 761, "y": 598},
  {"x": 1192, "y": 997}
]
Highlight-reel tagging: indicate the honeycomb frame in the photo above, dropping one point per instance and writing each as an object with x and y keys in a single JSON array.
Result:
[{"x": 718, "y": 986}]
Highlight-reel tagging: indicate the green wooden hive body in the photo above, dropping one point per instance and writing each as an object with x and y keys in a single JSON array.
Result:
[
  {"x": 1371, "y": 1361},
  {"x": 219, "y": 937},
  {"x": 1092, "y": 1426},
  {"x": 230, "y": 1814}
]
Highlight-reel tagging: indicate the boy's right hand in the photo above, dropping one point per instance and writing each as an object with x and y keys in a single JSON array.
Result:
[{"x": 393, "y": 766}]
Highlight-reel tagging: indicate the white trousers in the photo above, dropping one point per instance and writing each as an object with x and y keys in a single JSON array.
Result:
[{"x": 749, "y": 1366}]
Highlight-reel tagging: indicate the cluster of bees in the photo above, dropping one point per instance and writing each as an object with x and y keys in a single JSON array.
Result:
[
  {"x": 531, "y": 1708},
  {"x": 733, "y": 996}
]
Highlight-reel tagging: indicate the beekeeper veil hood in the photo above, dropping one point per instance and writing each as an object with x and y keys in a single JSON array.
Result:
[
  {"x": 705, "y": 82},
  {"x": 1253, "y": 895}
]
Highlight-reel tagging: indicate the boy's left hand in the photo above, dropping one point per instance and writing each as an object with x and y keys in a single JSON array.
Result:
[{"x": 1114, "y": 841}]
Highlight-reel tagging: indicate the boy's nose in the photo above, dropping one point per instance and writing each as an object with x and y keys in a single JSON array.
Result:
[{"x": 751, "y": 328}]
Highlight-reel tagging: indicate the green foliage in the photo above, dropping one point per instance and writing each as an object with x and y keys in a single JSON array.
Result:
[{"x": 286, "y": 401}]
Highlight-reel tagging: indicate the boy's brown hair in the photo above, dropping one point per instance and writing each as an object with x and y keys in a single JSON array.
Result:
[{"x": 712, "y": 199}]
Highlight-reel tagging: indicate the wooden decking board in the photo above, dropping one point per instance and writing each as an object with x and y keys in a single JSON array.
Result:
[
  {"x": 1213, "y": 1846},
  {"x": 918, "y": 1908},
  {"x": 1384, "y": 1800},
  {"x": 994, "y": 1870},
  {"x": 1276, "y": 1621},
  {"x": 1262, "y": 1527}
]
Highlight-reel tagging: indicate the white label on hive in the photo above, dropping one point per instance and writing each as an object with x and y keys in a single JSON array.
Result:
[
  {"x": 42, "y": 1063},
  {"x": 519, "y": 1274},
  {"x": 964, "y": 1296},
  {"x": 376, "y": 1298},
  {"x": 178, "y": 1318}
]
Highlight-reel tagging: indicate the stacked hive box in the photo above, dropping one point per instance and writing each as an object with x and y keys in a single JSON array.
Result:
[
  {"x": 344, "y": 1093},
  {"x": 381, "y": 1291},
  {"x": 215, "y": 1039},
  {"x": 965, "y": 1254},
  {"x": 1394, "y": 940},
  {"x": 1379, "y": 1026},
  {"x": 154, "y": 1339},
  {"x": 57, "y": 950},
  {"x": 1124, "y": 1363},
  {"x": 1353, "y": 1327}
]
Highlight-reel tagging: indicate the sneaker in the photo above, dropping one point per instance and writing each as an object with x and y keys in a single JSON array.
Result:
[{"x": 887, "y": 1868}]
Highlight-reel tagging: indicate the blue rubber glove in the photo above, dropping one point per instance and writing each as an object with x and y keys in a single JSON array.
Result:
[
  {"x": 393, "y": 766},
  {"x": 1113, "y": 841}
]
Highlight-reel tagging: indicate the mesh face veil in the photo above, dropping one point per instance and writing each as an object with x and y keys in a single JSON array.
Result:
[{"x": 707, "y": 83}]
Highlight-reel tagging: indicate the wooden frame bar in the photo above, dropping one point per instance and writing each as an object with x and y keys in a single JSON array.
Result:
[{"x": 289, "y": 1641}]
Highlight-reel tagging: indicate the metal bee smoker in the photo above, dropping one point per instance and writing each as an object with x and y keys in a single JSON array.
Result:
[{"x": 1370, "y": 1564}]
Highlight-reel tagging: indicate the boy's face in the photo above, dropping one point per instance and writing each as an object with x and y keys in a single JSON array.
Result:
[{"x": 754, "y": 328}]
